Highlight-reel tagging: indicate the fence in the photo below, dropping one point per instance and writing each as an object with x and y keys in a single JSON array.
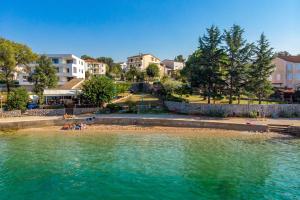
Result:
[
  {"x": 13, "y": 113},
  {"x": 45, "y": 112},
  {"x": 271, "y": 110}
]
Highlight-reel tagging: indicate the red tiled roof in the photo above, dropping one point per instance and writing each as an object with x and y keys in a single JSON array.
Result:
[
  {"x": 294, "y": 59},
  {"x": 89, "y": 60}
]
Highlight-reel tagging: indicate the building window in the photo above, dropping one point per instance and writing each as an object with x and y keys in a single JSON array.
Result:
[
  {"x": 74, "y": 70},
  {"x": 278, "y": 78},
  {"x": 57, "y": 69},
  {"x": 55, "y": 60},
  {"x": 131, "y": 60},
  {"x": 298, "y": 67},
  {"x": 289, "y": 67},
  {"x": 297, "y": 76},
  {"x": 69, "y": 61},
  {"x": 68, "y": 70},
  {"x": 289, "y": 76}
]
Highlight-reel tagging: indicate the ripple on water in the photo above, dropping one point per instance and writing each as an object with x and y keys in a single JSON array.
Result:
[{"x": 148, "y": 166}]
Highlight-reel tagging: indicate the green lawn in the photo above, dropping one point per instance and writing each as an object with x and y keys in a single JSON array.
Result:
[
  {"x": 141, "y": 99},
  {"x": 199, "y": 99}
]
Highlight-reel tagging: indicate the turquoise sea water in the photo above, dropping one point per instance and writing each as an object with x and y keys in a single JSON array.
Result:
[{"x": 147, "y": 166}]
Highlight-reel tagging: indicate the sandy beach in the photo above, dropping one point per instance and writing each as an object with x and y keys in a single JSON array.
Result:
[{"x": 116, "y": 129}]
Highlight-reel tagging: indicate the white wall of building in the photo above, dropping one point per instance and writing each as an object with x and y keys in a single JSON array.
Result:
[{"x": 68, "y": 66}]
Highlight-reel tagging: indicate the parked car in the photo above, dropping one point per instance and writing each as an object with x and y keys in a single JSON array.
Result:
[{"x": 31, "y": 106}]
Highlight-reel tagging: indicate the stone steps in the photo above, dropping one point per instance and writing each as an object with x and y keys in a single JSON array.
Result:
[{"x": 279, "y": 128}]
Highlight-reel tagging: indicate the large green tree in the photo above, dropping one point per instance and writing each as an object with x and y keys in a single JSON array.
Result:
[
  {"x": 86, "y": 57},
  {"x": 17, "y": 99},
  {"x": 44, "y": 76},
  {"x": 12, "y": 55},
  {"x": 261, "y": 69},
  {"x": 208, "y": 65},
  {"x": 239, "y": 54},
  {"x": 179, "y": 58},
  {"x": 152, "y": 71},
  {"x": 115, "y": 71},
  {"x": 107, "y": 60},
  {"x": 131, "y": 74},
  {"x": 99, "y": 90}
]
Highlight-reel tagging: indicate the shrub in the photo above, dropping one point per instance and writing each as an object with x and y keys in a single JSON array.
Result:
[
  {"x": 176, "y": 99},
  {"x": 132, "y": 108},
  {"x": 17, "y": 99},
  {"x": 99, "y": 90},
  {"x": 123, "y": 87},
  {"x": 252, "y": 114},
  {"x": 113, "y": 107}
]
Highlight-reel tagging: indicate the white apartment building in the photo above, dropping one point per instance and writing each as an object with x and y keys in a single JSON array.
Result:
[
  {"x": 68, "y": 67},
  {"x": 95, "y": 67}
]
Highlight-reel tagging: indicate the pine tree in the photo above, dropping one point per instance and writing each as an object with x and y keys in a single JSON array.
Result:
[
  {"x": 210, "y": 64},
  {"x": 239, "y": 54},
  {"x": 261, "y": 69}
]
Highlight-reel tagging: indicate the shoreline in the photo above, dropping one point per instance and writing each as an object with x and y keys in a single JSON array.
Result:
[
  {"x": 140, "y": 120},
  {"x": 93, "y": 130}
]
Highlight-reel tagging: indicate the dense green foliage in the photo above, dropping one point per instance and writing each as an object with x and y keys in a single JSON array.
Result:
[
  {"x": 107, "y": 60},
  {"x": 114, "y": 71},
  {"x": 13, "y": 54},
  {"x": 44, "y": 76},
  {"x": 152, "y": 71},
  {"x": 99, "y": 90},
  {"x": 123, "y": 87},
  {"x": 179, "y": 58},
  {"x": 261, "y": 69},
  {"x": 226, "y": 65},
  {"x": 86, "y": 57},
  {"x": 17, "y": 99},
  {"x": 239, "y": 54},
  {"x": 134, "y": 74}
]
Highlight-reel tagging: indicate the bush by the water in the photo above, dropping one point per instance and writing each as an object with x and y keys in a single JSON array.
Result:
[{"x": 17, "y": 99}]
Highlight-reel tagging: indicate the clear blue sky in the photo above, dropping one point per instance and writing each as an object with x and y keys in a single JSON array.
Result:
[{"x": 165, "y": 28}]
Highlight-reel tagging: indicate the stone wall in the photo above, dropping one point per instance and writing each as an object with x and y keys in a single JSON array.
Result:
[
  {"x": 45, "y": 112},
  {"x": 271, "y": 110},
  {"x": 13, "y": 113},
  {"x": 78, "y": 111}
]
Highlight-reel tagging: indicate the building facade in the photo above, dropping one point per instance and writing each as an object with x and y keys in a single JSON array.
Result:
[
  {"x": 142, "y": 61},
  {"x": 172, "y": 65},
  {"x": 68, "y": 67},
  {"x": 95, "y": 67},
  {"x": 287, "y": 72},
  {"x": 124, "y": 66}
]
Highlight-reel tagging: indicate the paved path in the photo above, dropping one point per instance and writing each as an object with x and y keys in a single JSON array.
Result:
[{"x": 236, "y": 120}]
